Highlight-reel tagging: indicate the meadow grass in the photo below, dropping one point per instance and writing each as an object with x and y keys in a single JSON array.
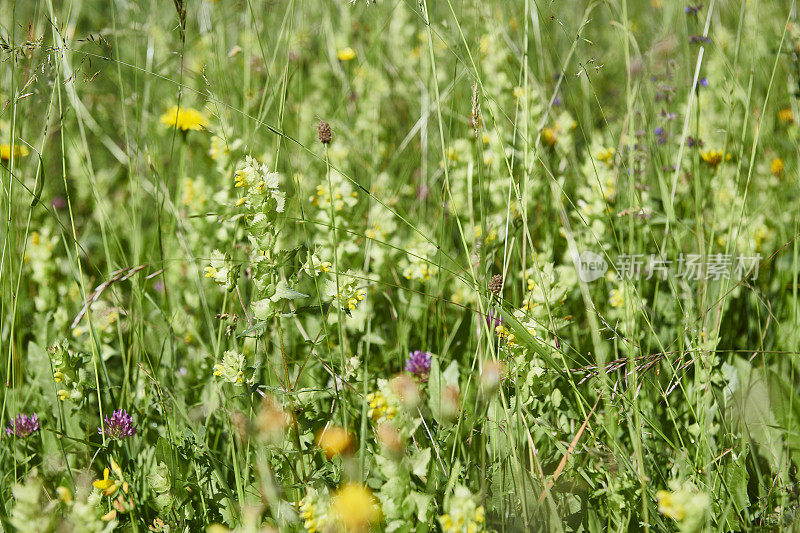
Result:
[{"x": 399, "y": 265}]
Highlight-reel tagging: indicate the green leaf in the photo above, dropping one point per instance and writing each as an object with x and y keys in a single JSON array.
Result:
[
  {"x": 419, "y": 462},
  {"x": 283, "y": 291},
  {"x": 422, "y": 502}
]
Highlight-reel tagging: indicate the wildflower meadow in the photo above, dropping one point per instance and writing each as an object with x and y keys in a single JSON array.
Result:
[{"x": 455, "y": 266}]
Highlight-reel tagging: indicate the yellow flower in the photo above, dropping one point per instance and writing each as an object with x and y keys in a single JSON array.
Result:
[
  {"x": 606, "y": 155},
  {"x": 64, "y": 494},
  {"x": 240, "y": 179},
  {"x": 354, "y": 507},
  {"x": 184, "y": 118},
  {"x": 712, "y": 157},
  {"x": 379, "y": 408},
  {"x": 549, "y": 136},
  {"x": 108, "y": 486},
  {"x": 684, "y": 503},
  {"x": 62, "y": 395},
  {"x": 189, "y": 191},
  {"x": 346, "y": 54},
  {"x": 219, "y": 147},
  {"x": 786, "y": 115},
  {"x": 309, "y": 518},
  {"x": 19, "y": 151},
  {"x": 776, "y": 167},
  {"x": 617, "y": 299},
  {"x": 334, "y": 441},
  {"x": 668, "y": 506},
  {"x": 353, "y": 301},
  {"x": 118, "y": 472}
]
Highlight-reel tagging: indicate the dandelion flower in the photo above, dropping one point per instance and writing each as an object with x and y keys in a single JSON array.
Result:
[
  {"x": 712, "y": 157},
  {"x": 184, "y": 118},
  {"x": 786, "y": 115}
]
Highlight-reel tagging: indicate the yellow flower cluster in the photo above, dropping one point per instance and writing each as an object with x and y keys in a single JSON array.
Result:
[
  {"x": 606, "y": 155},
  {"x": 505, "y": 333},
  {"x": 323, "y": 197},
  {"x": 240, "y": 179},
  {"x": 419, "y": 271},
  {"x": 354, "y": 299},
  {"x": 375, "y": 232},
  {"x": 231, "y": 369},
  {"x": 311, "y": 520},
  {"x": 472, "y": 526},
  {"x": 314, "y": 265},
  {"x": 379, "y": 408},
  {"x": 616, "y": 299}
]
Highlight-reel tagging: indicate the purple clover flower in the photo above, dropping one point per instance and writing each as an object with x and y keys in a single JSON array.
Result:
[
  {"x": 419, "y": 363},
  {"x": 119, "y": 425},
  {"x": 23, "y": 425}
]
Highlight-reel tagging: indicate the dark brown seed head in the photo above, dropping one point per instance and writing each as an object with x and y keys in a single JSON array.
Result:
[
  {"x": 496, "y": 284},
  {"x": 325, "y": 133}
]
